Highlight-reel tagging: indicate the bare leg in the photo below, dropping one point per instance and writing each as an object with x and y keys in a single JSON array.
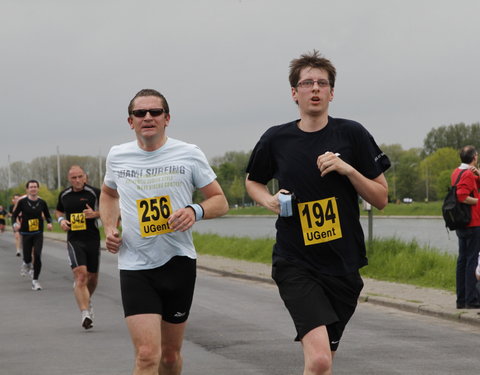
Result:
[
  {"x": 172, "y": 338},
  {"x": 81, "y": 291},
  {"x": 157, "y": 345},
  {"x": 92, "y": 283},
  {"x": 145, "y": 331},
  {"x": 317, "y": 354}
]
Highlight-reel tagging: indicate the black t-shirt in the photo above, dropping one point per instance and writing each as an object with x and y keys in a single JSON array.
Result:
[
  {"x": 324, "y": 232},
  {"x": 72, "y": 203},
  {"x": 32, "y": 214}
]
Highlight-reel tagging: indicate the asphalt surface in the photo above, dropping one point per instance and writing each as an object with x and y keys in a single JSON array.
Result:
[
  {"x": 428, "y": 301},
  {"x": 405, "y": 297},
  {"x": 53, "y": 329}
]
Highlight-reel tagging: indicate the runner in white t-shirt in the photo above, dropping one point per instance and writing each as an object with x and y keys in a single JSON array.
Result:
[{"x": 149, "y": 184}]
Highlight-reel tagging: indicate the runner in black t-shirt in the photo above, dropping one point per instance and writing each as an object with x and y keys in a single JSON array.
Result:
[
  {"x": 32, "y": 210},
  {"x": 77, "y": 213},
  {"x": 322, "y": 164}
]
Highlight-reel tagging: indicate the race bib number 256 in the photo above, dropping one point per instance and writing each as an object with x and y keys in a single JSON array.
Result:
[
  {"x": 153, "y": 214},
  {"x": 320, "y": 221}
]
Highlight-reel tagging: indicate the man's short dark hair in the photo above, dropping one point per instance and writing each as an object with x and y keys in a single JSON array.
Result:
[
  {"x": 32, "y": 182},
  {"x": 467, "y": 153},
  {"x": 148, "y": 92},
  {"x": 311, "y": 60}
]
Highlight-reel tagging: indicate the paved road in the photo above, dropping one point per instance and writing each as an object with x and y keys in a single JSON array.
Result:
[{"x": 237, "y": 327}]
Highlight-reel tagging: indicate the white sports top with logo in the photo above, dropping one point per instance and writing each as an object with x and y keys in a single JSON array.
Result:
[{"x": 151, "y": 185}]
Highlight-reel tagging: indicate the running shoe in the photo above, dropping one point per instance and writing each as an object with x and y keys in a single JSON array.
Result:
[
  {"x": 24, "y": 270},
  {"x": 18, "y": 253},
  {"x": 30, "y": 273},
  {"x": 87, "y": 320},
  {"x": 36, "y": 285}
]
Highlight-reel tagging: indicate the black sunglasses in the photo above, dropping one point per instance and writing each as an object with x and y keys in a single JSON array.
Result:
[{"x": 154, "y": 112}]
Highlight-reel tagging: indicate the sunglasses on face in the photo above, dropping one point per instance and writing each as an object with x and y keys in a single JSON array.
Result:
[{"x": 154, "y": 112}]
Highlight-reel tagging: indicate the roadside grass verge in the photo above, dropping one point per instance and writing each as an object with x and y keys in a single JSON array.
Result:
[
  {"x": 409, "y": 209},
  {"x": 394, "y": 260},
  {"x": 245, "y": 248},
  {"x": 390, "y": 259}
]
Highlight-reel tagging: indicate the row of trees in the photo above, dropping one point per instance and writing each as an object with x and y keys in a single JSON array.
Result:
[
  {"x": 422, "y": 179},
  {"x": 51, "y": 172},
  {"x": 422, "y": 174}
]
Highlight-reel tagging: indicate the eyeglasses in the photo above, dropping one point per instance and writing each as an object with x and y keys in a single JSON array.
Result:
[
  {"x": 308, "y": 83},
  {"x": 154, "y": 112}
]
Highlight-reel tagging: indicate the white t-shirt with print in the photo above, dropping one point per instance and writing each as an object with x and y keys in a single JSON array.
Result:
[{"x": 148, "y": 182}]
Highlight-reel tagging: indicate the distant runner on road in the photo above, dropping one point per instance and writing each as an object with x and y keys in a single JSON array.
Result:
[
  {"x": 77, "y": 212},
  {"x": 33, "y": 210}
]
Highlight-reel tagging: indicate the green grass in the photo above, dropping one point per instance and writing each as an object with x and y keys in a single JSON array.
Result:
[
  {"x": 392, "y": 209},
  {"x": 406, "y": 262},
  {"x": 253, "y": 210},
  {"x": 244, "y": 248},
  {"x": 411, "y": 209},
  {"x": 389, "y": 259}
]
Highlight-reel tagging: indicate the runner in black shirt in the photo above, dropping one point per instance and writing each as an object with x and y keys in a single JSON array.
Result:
[
  {"x": 33, "y": 210},
  {"x": 77, "y": 213},
  {"x": 322, "y": 164}
]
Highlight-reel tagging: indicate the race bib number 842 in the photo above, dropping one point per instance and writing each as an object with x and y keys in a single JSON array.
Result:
[
  {"x": 320, "y": 221},
  {"x": 153, "y": 214}
]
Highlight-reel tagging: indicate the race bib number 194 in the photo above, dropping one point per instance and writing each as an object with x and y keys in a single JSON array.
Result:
[
  {"x": 320, "y": 221},
  {"x": 153, "y": 214}
]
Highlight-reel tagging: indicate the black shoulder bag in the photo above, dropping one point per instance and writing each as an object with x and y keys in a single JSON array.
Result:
[{"x": 457, "y": 215}]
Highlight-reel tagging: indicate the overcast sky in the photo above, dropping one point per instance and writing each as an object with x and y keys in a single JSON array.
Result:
[{"x": 69, "y": 68}]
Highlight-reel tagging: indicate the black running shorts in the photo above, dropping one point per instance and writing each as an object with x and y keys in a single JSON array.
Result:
[
  {"x": 84, "y": 253},
  {"x": 315, "y": 299},
  {"x": 166, "y": 290}
]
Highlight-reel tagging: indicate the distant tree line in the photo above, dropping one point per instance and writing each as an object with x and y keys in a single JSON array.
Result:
[
  {"x": 454, "y": 136},
  {"x": 46, "y": 170},
  {"x": 422, "y": 174}
]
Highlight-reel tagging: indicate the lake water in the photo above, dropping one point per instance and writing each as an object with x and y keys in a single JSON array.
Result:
[{"x": 427, "y": 232}]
